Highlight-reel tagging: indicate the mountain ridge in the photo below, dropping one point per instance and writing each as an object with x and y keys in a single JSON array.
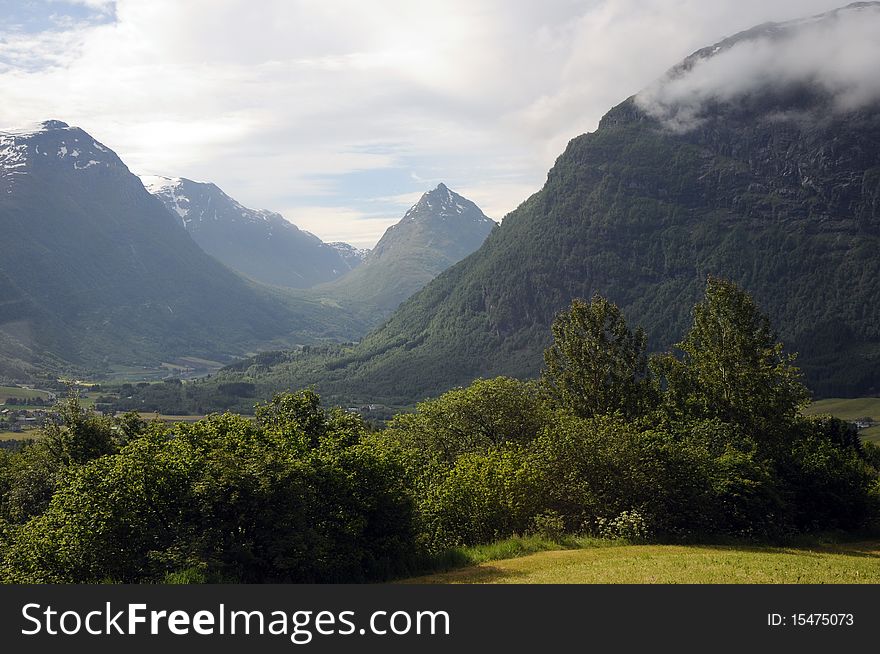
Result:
[
  {"x": 101, "y": 274},
  {"x": 777, "y": 190},
  {"x": 439, "y": 230},
  {"x": 258, "y": 243}
]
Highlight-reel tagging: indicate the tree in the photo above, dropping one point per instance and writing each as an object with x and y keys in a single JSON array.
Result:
[
  {"x": 489, "y": 412},
  {"x": 296, "y": 415},
  {"x": 733, "y": 367},
  {"x": 596, "y": 365}
]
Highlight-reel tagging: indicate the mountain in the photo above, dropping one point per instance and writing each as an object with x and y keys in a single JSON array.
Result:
[
  {"x": 745, "y": 162},
  {"x": 352, "y": 256},
  {"x": 439, "y": 230},
  {"x": 96, "y": 272},
  {"x": 258, "y": 243}
]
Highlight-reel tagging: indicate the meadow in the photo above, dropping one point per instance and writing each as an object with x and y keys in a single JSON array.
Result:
[
  {"x": 851, "y": 409},
  {"x": 20, "y": 392},
  {"x": 609, "y": 563}
]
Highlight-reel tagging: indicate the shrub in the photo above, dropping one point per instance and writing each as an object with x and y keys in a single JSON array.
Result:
[
  {"x": 549, "y": 525},
  {"x": 629, "y": 525}
]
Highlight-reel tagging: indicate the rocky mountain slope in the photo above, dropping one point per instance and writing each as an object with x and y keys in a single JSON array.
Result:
[
  {"x": 260, "y": 244},
  {"x": 438, "y": 231}
]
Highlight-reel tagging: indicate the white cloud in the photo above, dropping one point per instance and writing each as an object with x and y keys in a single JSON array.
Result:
[
  {"x": 837, "y": 55},
  {"x": 285, "y": 106},
  {"x": 341, "y": 223}
]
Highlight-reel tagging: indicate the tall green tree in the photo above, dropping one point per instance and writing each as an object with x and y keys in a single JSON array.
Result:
[
  {"x": 596, "y": 364},
  {"x": 733, "y": 367}
]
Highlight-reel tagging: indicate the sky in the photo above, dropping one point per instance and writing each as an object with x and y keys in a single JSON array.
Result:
[{"x": 339, "y": 114}]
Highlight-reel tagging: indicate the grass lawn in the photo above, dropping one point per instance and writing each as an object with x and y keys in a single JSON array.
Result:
[{"x": 677, "y": 564}]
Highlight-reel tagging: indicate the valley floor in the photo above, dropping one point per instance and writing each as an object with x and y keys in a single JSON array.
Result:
[{"x": 850, "y": 563}]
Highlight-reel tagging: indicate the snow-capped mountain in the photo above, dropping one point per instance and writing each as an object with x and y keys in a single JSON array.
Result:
[
  {"x": 51, "y": 144},
  {"x": 97, "y": 272},
  {"x": 350, "y": 254},
  {"x": 261, "y": 244},
  {"x": 442, "y": 203}
]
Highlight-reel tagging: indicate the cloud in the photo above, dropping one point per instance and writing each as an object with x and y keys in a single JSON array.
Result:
[
  {"x": 327, "y": 105},
  {"x": 342, "y": 223},
  {"x": 836, "y": 57}
]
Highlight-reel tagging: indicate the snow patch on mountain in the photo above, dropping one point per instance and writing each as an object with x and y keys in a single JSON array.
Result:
[
  {"x": 44, "y": 143},
  {"x": 351, "y": 255},
  {"x": 168, "y": 189},
  {"x": 445, "y": 203}
]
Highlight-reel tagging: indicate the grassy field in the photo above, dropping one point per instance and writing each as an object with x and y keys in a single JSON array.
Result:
[
  {"x": 18, "y": 392},
  {"x": 851, "y": 409},
  {"x": 35, "y": 434},
  {"x": 677, "y": 564}
]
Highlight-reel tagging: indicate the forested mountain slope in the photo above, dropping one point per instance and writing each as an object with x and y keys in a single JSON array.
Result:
[{"x": 771, "y": 181}]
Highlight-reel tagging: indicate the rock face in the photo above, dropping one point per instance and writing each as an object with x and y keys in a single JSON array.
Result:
[
  {"x": 439, "y": 230},
  {"x": 95, "y": 271},
  {"x": 772, "y": 184},
  {"x": 260, "y": 244}
]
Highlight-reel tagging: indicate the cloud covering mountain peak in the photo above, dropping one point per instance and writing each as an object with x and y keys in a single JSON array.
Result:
[{"x": 833, "y": 56}]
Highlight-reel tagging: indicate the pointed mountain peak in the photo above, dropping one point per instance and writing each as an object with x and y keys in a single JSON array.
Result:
[{"x": 441, "y": 202}]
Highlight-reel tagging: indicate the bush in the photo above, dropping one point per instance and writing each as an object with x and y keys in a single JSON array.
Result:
[
  {"x": 233, "y": 500},
  {"x": 629, "y": 525},
  {"x": 549, "y": 525},
  {"x": 482, "y": 498}
]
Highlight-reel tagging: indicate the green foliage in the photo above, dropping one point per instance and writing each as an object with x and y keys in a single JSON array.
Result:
[
  {"x": 629, "y": 526},
  {"x": 549, "y": 525},
  {"x": 829, "y": 483},
  {"x": 481, "y": 498},
  {"x": 225, "y": 499},
  {"x": 723, "y": 450},
  {"x": 32, "y": 474},
  {"x": 733, "y": 367},
  {"x": 714, "y": 445},
  {"x": 295, "y": 416},
  {"x": 489, "y": 412},
  {"x": 596, "y": 365}
]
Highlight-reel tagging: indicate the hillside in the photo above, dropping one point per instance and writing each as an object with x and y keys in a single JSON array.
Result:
[
  {"x": 441, "y": 229},
  {"x": 775, "y": 186},
  {"x": 260, "y": 244},
  {"x": 96, "y": 272}
]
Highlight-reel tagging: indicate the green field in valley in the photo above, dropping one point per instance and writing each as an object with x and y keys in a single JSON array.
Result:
[
  {"x": 678, "y": 564},
  {"x": 24, "y": 435},
  {"x": 19, "y": 392},
  {"x": 852, "y": 409}
]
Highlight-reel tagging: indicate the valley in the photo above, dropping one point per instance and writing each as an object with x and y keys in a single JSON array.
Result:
[{"x": 658, "y": 363}]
